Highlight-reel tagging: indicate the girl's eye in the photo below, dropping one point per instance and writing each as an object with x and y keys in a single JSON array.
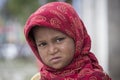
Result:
[
  {"x": 60, "y": 39},
  {"x": 42, "y": 44}
]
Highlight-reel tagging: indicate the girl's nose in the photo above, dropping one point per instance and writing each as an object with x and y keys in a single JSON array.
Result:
[{"x": 52, "y": 49}]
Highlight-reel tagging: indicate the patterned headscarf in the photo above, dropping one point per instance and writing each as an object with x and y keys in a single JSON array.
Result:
[{"x": 61, "y": 16}]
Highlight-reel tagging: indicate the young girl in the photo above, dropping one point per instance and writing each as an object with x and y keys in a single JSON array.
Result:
[{"x": 61, "y": 43}]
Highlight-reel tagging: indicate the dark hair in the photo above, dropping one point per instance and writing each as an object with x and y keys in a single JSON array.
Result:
[{"x": 31, "y": 33}]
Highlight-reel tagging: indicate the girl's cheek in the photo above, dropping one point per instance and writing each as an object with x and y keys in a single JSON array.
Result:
[{"x": 62, "y": 47}]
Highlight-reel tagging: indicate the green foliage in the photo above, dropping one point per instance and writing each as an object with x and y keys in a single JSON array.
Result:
[
  {"x": 21, "y": 9},
  {"x": 51, "y": 0}
]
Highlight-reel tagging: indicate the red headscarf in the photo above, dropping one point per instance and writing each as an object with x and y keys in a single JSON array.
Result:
[{"x": 61, "y": 16}]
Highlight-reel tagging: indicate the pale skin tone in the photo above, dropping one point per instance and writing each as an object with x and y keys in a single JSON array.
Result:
[{"x": 56, "y": 49}]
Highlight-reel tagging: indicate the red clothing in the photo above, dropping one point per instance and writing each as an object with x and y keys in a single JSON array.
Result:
[{"x": 61, "y": 16}]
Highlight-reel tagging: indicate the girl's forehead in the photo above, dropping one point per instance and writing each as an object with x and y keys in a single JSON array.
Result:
[{"x": 45, "y": 30}]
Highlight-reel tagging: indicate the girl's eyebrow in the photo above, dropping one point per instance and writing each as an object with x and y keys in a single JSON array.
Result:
[
  {"x": 53, "y": 38},
  {"x": 58, "y": 36},
  {"x": 40, "y": 41}
]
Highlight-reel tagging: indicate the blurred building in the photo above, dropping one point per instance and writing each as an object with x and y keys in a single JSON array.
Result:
[{"x": 114, "y": 38}]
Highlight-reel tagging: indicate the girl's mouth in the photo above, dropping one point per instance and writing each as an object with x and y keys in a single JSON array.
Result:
[{"x": 55, "y": 59}]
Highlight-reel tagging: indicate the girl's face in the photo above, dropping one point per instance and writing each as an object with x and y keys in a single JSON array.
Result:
[{"x": 55, "y": 48}]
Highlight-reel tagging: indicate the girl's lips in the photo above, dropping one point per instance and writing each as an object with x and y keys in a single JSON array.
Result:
[{"x": 55, "y": 59}]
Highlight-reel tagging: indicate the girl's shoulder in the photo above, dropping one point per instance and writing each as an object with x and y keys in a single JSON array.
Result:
[{"x": 36, "y": 77}]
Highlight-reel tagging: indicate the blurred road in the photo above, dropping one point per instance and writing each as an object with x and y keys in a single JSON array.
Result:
[{"x": 17, "y": 69}]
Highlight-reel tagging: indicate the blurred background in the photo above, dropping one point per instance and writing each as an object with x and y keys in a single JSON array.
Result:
[{"x": 101, "y": 18}]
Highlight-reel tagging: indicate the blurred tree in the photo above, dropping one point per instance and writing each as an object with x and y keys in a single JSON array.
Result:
[{"x": 21, "y": 9}]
